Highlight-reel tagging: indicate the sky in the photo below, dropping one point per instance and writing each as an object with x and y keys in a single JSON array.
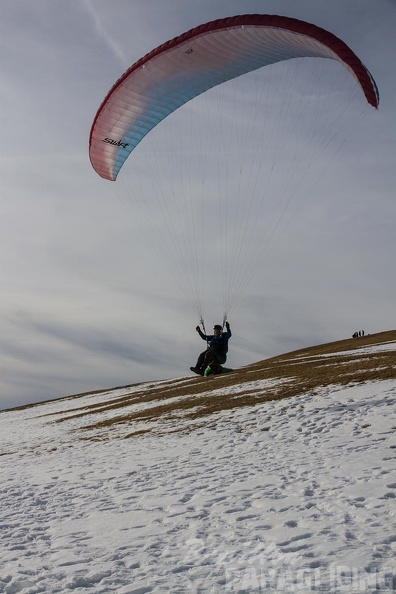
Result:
[{"x": 85, "y": 300}]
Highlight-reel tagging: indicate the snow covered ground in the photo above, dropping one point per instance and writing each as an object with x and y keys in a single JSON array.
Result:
[{"x": 295, "y": 495}]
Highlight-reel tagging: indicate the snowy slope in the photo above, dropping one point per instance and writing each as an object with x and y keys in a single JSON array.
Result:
[{"x": 292, "y": 495}]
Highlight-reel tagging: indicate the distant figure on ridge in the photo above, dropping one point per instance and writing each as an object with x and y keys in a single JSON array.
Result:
[{"x": 358, "y": 334}]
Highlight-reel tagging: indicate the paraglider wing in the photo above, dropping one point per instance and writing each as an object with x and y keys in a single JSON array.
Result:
[{"x": 184, "y": 67}]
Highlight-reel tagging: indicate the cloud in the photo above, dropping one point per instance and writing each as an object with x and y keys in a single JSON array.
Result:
[
  {"x": 101, "y": 31},
  {"x": 86, "y": 301}
]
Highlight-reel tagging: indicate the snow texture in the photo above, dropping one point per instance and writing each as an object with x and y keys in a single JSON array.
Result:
[{"x": 295, "y": 495}]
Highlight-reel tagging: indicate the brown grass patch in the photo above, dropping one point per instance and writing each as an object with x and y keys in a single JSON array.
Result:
[{"x": 192, "y": 399}]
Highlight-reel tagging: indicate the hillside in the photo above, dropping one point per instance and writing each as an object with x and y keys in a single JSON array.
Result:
[
  {"x": 279, "y": 477},
  {"x": 185, "y": 402}
]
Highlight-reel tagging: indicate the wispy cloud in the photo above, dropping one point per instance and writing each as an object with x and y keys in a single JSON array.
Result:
[{"x": 104, "y": 35}]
